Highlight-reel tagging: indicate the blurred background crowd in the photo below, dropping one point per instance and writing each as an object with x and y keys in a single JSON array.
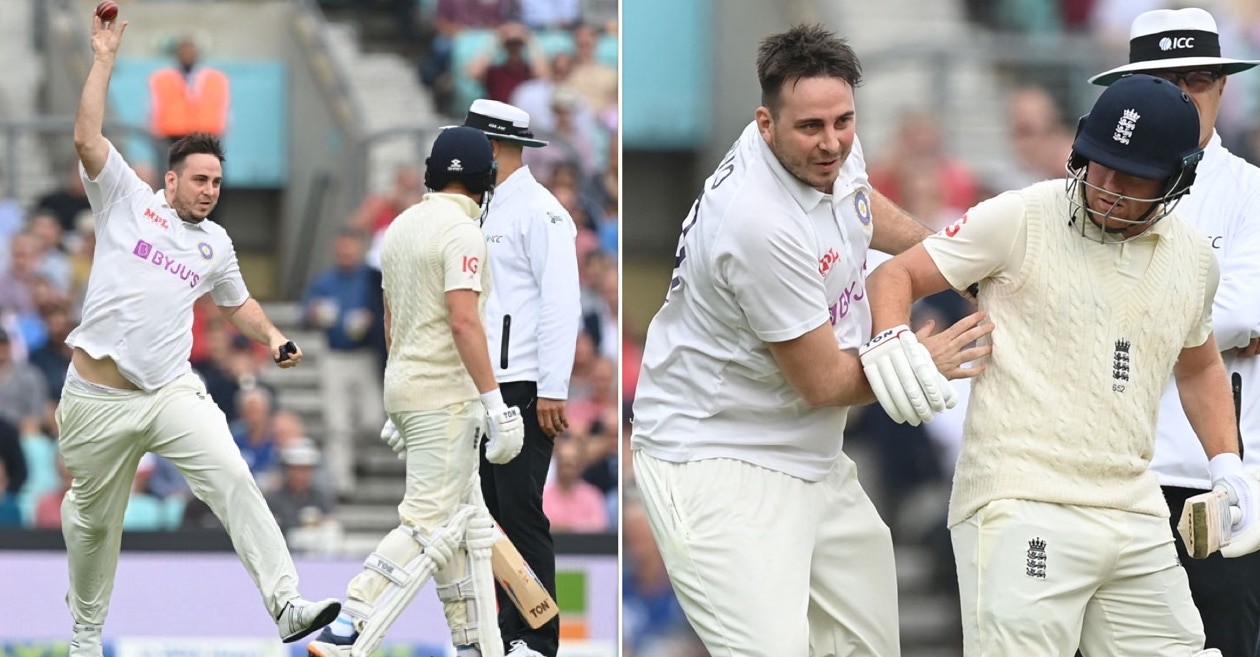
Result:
[
  {"x": 370, "y": 82},
  {"x": 969, "y": 99}
]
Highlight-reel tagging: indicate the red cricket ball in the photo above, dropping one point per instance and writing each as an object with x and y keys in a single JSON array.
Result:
[{"x": 107, "y": 10}]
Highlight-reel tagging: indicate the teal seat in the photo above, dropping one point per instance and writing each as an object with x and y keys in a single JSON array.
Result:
[
  {"x": 606, "y": 50},
  {"x": 41, "y": 467}
]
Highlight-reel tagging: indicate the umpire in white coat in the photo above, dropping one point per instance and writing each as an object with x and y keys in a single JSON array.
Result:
[{"x": 532, "y": 321}]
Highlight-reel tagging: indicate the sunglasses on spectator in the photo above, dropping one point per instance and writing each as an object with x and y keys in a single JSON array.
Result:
[{"x": 1193, "y": 81}]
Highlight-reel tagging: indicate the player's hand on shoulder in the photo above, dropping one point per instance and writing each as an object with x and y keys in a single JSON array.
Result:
[
  {"x": 904, "y": 378},
  {"x": 505, "y": 434}
]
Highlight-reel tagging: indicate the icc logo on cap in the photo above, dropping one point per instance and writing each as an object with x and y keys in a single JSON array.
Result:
[{"x": 1169, "y": 43}]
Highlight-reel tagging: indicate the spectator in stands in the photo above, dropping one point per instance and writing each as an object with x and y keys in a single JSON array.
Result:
[
  {"x": 1038, "y": 137},
  {"x": 586, "y": 410},
  {"x": 513, "y": 58},
  {"x": 10, "y": 513},
  {"x": 189, "y": 96},
  {"x": 288, "y": 429},
  {"x": 451, "y": 17},
  {"x": 252, "y": 431},
  {"x": 53, "y": 358},
  {"x": 23, "y": 392},
  {"x": 534, "y": 95},
  {"x": 24, "y": 265},
  {"x": 571, "y": 504},
  {"x": 299, "y": 502},
  {"x": 594, "y": 80},
  {"x": 551, "y": 14},
  {"x": 81, "y": 255},
  {"x": 12, "y": 458},
  {"x": 919, "y": 140},
  {"x": 165, "y": 481},
  {"x": 376, "y": 211},
  {"x": 54, "y": 261},
  {"x": 12, "y": 216},
  {"x": 66, "y": 202},
  {"x": 339, "y": 302},
  {"x": 650, "y": 612},
  {"x": 48, "y": 506}
]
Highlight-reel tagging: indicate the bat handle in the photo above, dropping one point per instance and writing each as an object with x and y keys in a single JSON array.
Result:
[{"x": 287, "y": 349}]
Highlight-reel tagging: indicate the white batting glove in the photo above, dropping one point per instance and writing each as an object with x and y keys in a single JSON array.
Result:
[
  {"x": 505, "y": 430},
  {"x": 1244, "y": 496},
  {"x": 393, "y": 437},
  {"x": 903, "y": 376}
]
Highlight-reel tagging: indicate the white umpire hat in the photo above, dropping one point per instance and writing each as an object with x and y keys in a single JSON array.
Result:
[
  {"x": 502, "y": 122},
  {"x": 1173, "y": 38}
]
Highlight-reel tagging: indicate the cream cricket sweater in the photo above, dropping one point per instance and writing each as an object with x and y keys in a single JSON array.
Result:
[{"x": 1065, "y": 412}]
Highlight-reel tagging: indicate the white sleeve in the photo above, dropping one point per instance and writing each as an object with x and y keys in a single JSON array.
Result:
[
  {"x": 463, "y": 256},
  {"x": 229, "y": 288},
  {"x": 116, "y": 181},
  {"x": 1237, "y": 312},
  {"x": 551, "y": 242},
  {"x": 987, "y": 242},
  {"x": 772, "y": 273}
]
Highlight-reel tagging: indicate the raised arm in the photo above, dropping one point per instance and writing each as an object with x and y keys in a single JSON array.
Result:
[{"x": 89, "y": 140}]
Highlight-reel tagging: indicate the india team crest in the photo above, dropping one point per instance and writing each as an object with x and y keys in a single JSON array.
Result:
[
  {"x": 205, "y": 250},
  {"x": 862, "y": 205}
]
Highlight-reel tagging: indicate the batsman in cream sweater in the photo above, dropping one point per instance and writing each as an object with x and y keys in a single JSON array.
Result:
[{"x": 1098, "y": 293}]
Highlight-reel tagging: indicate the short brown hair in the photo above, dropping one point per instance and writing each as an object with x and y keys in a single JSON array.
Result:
[
  {"x": 805, "y": 51},
  {"x": 197, "y": 142}
]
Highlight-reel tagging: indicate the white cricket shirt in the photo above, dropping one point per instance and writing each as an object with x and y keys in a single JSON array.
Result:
[
  {"x": 433, "y": 247},
  {"x": 763, "y": 258},
  {"x": 148, "y": 269},
  {"x": 1224, "y": 205},
  {"x": 534, "y": 310}
]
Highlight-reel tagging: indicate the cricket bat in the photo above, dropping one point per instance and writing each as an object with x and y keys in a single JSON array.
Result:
[{"x": 522, "y": 585}]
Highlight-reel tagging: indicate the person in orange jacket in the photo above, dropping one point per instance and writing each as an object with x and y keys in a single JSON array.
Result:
[{"x": 188, "y": 97}]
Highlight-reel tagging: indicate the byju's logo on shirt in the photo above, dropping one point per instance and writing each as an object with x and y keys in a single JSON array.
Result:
[
  {"x": 840, "y": 309},
  {"x": 156, "y": 257}
]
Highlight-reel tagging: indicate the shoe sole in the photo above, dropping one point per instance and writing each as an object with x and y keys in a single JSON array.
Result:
[
  {"x": 314, "y": 651},
  {"x": 325, "y": 617}
]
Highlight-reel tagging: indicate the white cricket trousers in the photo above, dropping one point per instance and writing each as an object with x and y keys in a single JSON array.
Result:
[
  {"x": 442, "y": 460},
  {"x": 353, "y": 404},
  {"x": 1036, "y": 579},
  {"x": 103, "y": 436},
  {"x": 768, "y": 565}
]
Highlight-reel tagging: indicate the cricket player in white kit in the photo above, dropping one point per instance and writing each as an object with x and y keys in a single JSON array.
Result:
[
  {"x": 130, "y": 389},
  {"x": 1099, "y": 294},
  {"x": 749, "y": 369},
  {"x": 1225, "y": 207},
  {"x": 442, "y": 398}
]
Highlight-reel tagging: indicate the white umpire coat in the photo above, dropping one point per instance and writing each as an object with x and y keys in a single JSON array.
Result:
[
  {"x": 1224, "y": 204},
  {"x": 534, "y": 312}
]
